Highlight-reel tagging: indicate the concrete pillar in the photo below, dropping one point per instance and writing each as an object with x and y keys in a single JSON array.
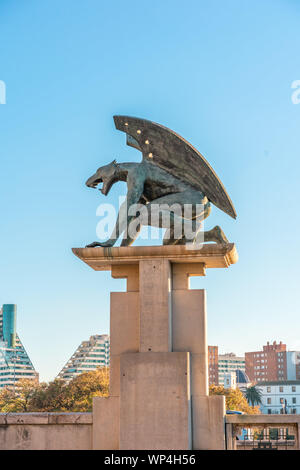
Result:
[
  {"x": 106, "y": 423},
  {"x": 124, "y": 332},
  {"x": 208, "y": 422},
  {"x": 155, "y": 306},
  {"x": 130, "y": 272},
  {"x": 189, "y": 334},
  {"x": 229, "y": 436},
  {"x": 155, "y": 401},
  {"x": 159, "y": 359},
  {"x": 181, "y": 273}
]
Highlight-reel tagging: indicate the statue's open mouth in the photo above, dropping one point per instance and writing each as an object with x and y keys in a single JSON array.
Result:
[
  {"x": 104, "y": 187},
  {"x": 94, "y": 182},
  {"x": 97, "y": 183}
]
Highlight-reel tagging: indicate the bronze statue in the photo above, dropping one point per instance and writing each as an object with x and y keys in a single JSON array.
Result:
[{"x": 172, "y": 172}]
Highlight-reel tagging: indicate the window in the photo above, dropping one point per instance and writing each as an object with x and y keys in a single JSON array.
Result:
[
  {"x": 269, "y": 401},
  {"x": 269, "y": 411},
  {"x": 293, "y": 388},
  {"x": 294, "y": 399},
  {"x": 269, "y": 389},
  {"x": 281, "y": 389}
]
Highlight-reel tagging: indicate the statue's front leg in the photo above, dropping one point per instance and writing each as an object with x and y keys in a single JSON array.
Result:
[
  {"x": 128, "y": 239},
  {"x": 120, "y": 227}
]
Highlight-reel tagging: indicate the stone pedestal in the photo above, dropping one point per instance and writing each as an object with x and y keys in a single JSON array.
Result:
[{"x": 159, "y": 360}]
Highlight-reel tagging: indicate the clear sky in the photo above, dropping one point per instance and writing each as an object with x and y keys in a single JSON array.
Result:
[{"x": 218, "y": 73}]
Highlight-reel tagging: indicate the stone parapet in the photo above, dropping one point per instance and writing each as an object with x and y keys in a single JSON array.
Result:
[{"x": 46, "y": 431}]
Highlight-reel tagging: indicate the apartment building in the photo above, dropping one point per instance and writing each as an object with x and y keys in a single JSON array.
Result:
[
  {"x": 15, "y": 363},
  {"x": 88, "y": 356}
]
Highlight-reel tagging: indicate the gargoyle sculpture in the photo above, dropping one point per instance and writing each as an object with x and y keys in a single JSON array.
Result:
[{"x": 171, "y": 174}]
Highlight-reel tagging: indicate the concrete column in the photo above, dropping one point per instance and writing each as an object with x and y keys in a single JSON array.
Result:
[
  {"x": 155, "y": 401},
  {"x": 208, "y": 422},
  {"x": 159, "y": 372},
  {"x": 189, "y": 334},
  {"x": 229, "y": 436},
  {"x": 128, "y": 271},
  {"x": 155, "y": 305},
  {"x": 189, "y": 322},
  {"x": 182, "y": 272},
  {"x": 106, "y": 423},
  {"x": 124, "y": 332}
]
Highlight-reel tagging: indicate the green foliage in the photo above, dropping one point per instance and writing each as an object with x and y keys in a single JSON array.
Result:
[
  {"x": 235, "y": 399},
  {"x": 253, "y": 395},
  {"x": 77, "y": 395},
  {"x": 18, "y": 402}
]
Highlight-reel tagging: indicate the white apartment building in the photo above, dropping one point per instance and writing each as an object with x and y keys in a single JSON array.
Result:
[
  {"x": 88, "y": 356},
  {"x": 229, "y": 363},
  {"x": 281, "y": 396}
]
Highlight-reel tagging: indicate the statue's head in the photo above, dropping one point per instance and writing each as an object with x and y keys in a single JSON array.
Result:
[{"x": 107, "y": 175}]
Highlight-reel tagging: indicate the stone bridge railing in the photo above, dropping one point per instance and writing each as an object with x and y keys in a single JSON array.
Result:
[
  {"x": 286, "y": 424},
  {"x": 46, "y": 431},
  {"x": 68, "y": 431}
]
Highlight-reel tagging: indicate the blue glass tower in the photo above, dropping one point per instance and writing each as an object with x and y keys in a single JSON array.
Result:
[
  {"x": 14, "y": 360},
  {"x": 9, "y": 314}
]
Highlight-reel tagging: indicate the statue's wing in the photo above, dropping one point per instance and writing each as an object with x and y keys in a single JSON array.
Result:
[{"x": 171, "y": 152}]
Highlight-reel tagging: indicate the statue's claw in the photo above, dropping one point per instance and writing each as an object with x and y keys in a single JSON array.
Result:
[
  {"x": 103, "y": 245},
  {"x": 93, "y": 245}
]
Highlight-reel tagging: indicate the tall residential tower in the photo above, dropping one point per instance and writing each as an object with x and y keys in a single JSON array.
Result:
[
  {"x": 14, "y": 360},
  {"x": 88, "y": 356}
]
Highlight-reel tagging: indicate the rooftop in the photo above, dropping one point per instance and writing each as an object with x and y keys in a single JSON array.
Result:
[{"x": 279, "y": 382}]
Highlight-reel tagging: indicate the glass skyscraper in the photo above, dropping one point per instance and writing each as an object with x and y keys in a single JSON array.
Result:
[{"x": 14, "y": 360}]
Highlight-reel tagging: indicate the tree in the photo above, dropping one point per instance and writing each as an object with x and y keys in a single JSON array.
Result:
[
  {"x": 85, "y": 387},
  {"x": 6, "y": 400},
  {"x": 253, "y": 395},
  {"x": 58, "y": 395},
  {"x": 235, "y": 399},
  {"x": 50, "y": 397},
  {"x": 19, "y": 401}
]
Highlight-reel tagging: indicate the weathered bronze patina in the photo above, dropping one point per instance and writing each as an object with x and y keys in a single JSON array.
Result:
[{"x": 172, "y": 172}]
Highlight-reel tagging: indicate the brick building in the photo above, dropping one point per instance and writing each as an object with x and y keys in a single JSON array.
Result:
[{"x": 270, "y": 364}]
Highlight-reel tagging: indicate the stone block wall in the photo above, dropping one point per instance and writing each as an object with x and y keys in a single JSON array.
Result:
[{"x": 46, "y": 431}]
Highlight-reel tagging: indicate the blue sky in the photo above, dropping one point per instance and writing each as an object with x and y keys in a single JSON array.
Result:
[{"x": 218, "y": 73}]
